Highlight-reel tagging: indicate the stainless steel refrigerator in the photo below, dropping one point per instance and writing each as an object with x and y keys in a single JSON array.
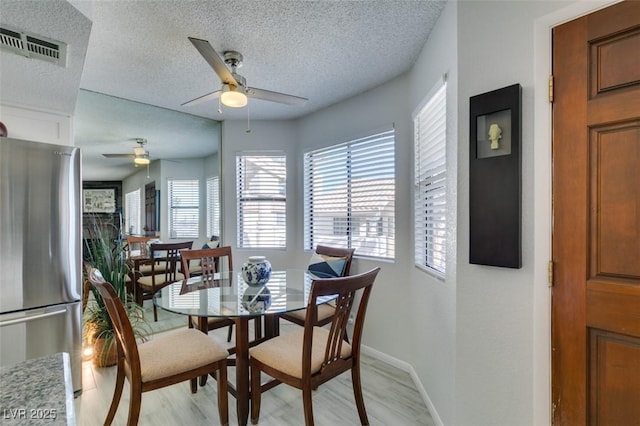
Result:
[{"x": 40, "y": 253}]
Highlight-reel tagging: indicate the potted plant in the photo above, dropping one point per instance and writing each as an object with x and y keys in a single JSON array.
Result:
[{"x": 104, "y": 250}]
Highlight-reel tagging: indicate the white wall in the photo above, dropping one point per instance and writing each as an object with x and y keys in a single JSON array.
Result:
[
  {"x": 494, "y": 306},
  {"x": 433, "y": 301}
]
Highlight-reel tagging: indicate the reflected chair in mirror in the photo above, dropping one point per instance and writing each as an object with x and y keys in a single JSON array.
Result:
[
  {"x": 176, "y": 357},
  {"x": 137, "y": 256},
  {"x": 194, "y": 265},
  {"x": 137, "y": 246},
  {"x": 163, "y": 259},
  {"x": 307, "y": 357},
  {"x": 327, "y": 261},
  {"x": 209, "y": 263}
]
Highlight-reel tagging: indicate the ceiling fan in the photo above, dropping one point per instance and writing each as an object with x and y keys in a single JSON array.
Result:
[
  {"x": 234, "y": 91},
  {"x": 140, "y": 155}
]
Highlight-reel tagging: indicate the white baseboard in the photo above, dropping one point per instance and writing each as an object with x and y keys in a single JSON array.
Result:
[{"x": 405, "y": 366}]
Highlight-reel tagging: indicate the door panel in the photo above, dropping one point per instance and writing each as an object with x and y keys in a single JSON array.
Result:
[
  {"x": 613, "y": 398},
  {"x": 596, "y": 213}
]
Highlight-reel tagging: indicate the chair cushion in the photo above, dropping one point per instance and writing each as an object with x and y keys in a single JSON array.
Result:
[
  {"x": 333, "y": 266},
  {"x": 211, "y": 321},
  {"x": 285, "y": 351},
  {"x": 178, "y": 352},
  {"x": 147, "y": 282},
  {"x": 324, "y": 311},
  {"x": 146, "y": 269}
]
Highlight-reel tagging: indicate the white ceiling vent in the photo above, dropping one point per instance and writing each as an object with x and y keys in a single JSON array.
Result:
[{"x": 33, "y": 46}]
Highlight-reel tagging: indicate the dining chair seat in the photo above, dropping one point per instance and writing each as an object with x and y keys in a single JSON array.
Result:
[
  {"x": 177, "y": 352},
  {"x": 284, "y": 353},
  {"x": 146, "y": 269},
  {"x": 148, "y": 281},
  {"x": 335, "y": 258},
  {"x": 325, "y": 312}
]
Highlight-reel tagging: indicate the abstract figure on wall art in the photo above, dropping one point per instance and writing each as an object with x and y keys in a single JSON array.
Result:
[{"x": 495, "y": 133}]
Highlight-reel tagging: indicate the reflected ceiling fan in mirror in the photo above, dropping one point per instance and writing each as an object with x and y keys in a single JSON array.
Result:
[
  {"x": 140, "y": 155},
  {"x": 234, "y": 91}
]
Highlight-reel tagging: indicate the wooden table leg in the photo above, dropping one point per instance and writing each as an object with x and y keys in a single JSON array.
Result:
[
  {"x": 242, "y": 370},
  {"x": 271, "y": 325},
  {"x": 203, "y": 325}
]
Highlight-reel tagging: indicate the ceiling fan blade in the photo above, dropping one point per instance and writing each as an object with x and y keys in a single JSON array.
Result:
[
  {"x": 203, "y": 98},
  {"x": 217, "y": 63},
  {"x": 119, "y": 155},
  {"x": 267, "y": 95}
]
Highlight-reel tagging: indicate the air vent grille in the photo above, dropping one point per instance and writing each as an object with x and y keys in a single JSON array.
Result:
[{"x": 33, "y": 46}]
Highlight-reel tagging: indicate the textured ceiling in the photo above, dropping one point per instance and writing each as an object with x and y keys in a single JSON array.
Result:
[{"x": 326, "y": 51}]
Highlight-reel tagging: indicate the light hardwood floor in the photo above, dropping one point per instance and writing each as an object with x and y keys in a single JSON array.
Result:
[{"x": 389, "y": 393}]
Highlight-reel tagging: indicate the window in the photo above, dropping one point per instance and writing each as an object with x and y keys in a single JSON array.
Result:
[
  {"x": 349, "y": 196},
  {"x": 132, "y": 224},
  {"x": 261, "y": 192},
  {"x": 184, "y": 208},
  {"x": 213, "y": 206},
  {"x": 430, "y": 185}
]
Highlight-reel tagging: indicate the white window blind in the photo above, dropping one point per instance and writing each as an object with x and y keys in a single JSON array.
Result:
[
  {"x": 213, "y": 206},
  {"x": 430, "y": 185},
  {"x": 261, "y": 194},
  {"x": 184, "y": 208},
  {"x": 349, "y": 196},
  {"x": 132, "y": 221}
]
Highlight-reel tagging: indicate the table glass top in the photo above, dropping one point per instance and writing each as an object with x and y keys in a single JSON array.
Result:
[{"x": 229, "y": 296}]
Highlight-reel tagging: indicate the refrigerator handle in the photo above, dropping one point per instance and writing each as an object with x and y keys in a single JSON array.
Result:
[{"x": 33, "y": 317}]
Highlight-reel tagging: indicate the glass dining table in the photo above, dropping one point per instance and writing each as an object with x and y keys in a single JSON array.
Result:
[{"x": 228, "y": 296}]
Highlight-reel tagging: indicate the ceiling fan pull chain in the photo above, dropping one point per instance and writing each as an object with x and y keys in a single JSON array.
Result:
[
  {"x": 219, "y": 105},
  {"x": 147, "y": 170},
  {"x": 248, "y": 120}
]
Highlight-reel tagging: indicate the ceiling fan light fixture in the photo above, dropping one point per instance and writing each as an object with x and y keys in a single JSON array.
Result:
[
  {"x": 141, "y": 161},
  {"x": 232, "y": 97}
]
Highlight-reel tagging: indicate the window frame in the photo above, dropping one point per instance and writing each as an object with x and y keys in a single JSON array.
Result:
[
  {"x": 430, "y": 186},
  {"x": 349, "y": 170},
  {"x": 129, "y": 215},
  {"x": 213, "y": 206},
  {"x": 175, "y": 208},
  {"x": 270, "y": 196}
]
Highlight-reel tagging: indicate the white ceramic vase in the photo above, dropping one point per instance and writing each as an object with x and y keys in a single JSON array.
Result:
[{"x": 256, "y": 270}]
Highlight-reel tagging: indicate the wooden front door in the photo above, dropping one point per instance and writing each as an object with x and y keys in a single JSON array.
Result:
[
  {"x": 150, "y": 225},
  {"x": 596, "y": 219}
]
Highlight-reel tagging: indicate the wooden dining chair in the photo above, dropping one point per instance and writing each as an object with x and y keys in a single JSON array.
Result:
[
  {"x": 137, "y": 252},
  {"x": 307, "y": 357},
  {"x": 173, "y": 358},
  {"x": 164, "y": 259},
  {"x": 338, "y": 263},
  {"x": 137, "y": 245},
  {"x": 209, "y": 261}
]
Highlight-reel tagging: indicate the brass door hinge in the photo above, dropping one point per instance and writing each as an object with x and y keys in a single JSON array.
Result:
[
  {"x": 550, "y": 270},
  {"x": 551, "y": 88}
]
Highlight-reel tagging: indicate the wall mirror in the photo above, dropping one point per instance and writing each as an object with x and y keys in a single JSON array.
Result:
[{"x": 180, "y": 147}]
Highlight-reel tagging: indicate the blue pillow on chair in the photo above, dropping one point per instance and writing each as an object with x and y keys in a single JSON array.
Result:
[
  {"x": 327, "y": 265},
  {"x": 211, "y": 244}
]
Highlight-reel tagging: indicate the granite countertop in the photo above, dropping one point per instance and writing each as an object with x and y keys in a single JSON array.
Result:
[{"x": 37, "y": 392}]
